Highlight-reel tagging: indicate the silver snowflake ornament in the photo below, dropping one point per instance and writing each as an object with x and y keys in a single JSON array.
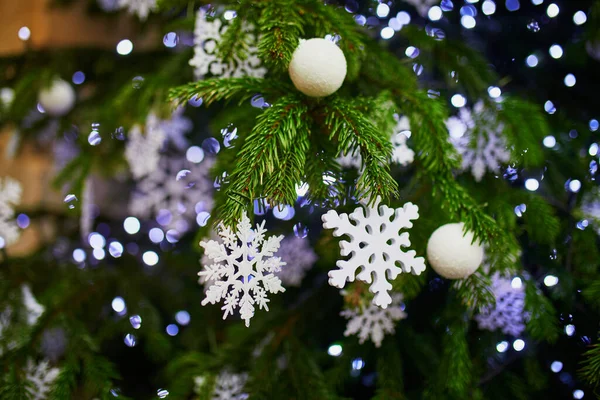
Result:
[
  {"x": 508, "y": 313},
  {"x": 375, "y": 247},
  {"x": 10, "y": 196},
  {"x": 180, "y": 187},
  {"x": 374, "y": 322},
  {"x": 244, "y": 269},
  {"x": 41, "y": 376},
  {"x": 478, "y": 139},
  {"x": 141, "y": 8},
  {"x": 207, "y": 35},
  {"x": 299, "y": 258}
]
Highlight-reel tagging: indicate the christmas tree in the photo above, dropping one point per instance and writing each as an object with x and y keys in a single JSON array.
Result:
[{"x": 299, "y": 199}]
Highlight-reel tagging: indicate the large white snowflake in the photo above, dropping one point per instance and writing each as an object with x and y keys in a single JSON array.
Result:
[
  {"x": 207, "y": 35},
  {"x": 10, "y": 196},
  {"x": 142, "y": 150},
  {"x": 508, "y": 314},
  {"x": 141, "y": 8},
  {"x": 180, "y": 187},
  {"x": 375, "y": 246},
  {"x": 401, "y": 153},
  {"x": 373, "y": 321},
  {"x": 42, "y": 376},
  {"x": 299, "y": 258},
  {"x": 243, "y": 265},
  {"x": 478, "y": 139}
]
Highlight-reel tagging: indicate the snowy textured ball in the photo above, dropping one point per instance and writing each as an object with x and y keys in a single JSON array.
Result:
[
  {"x": 57, "y": 99},
  {"x": 452, "y": 254},
  {"x": 318, "y": 67}
]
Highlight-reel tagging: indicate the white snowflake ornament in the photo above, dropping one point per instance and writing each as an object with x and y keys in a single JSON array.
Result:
[
  {"x": 10, "y": 196},
  {"x": 41, "y": 376},
  {"x": 244, "y": 269},
  {"x": 508, "y": 313},
  {"x": 374, "y": 322},
  {"x": 228, "y": 386},
  {"x": 179, "y": 187},
  {"x": 478, "y": 139},
  {"x": 207, "y": 35},
  {"x": 141, "y": 8},
  {"x": 142, "y": 150},
  {"x": 375, "y": 246},
  {"x": 299, "y": 258}
]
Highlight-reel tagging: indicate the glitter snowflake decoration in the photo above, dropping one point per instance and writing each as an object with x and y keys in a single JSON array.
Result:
[
  {"x": 207, "y": 35},
  {"x": 373, "y": 321},
  {"x": 508, "y": 313},
  {"x": 478, "y": 140},
  {"x": 142, "y": 150},
  {"x": 299, "y": 258},
  {"x": 179, "y": 188},
  {"x": 244, "y": 269},
  {"x": 375, "y": 246},
  {"x": 41, "y": 376},
  {"x": 141, "y": 8},
  {"x": 10, "y": 196}
]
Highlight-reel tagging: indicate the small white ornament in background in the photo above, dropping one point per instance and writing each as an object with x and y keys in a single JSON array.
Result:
[
  {"x": 142, "y": 151},
  {"x": 243, "y": 264},
  {"x": 141, "y": 8},
  {"x": 57, "y": 99},
  {"x": 318, "y": 67},
  {"x": 402, "y": 154},
  {"x": 508, "y": 313},
  {"x": 478, "y": 139},
  {"x": 41, "y": 376},
  {"x": 451, "y": 252},
  {"x": 373, "y": 321},
  {"x": 228, "y": 386},
  {"x": 10, "y": 196},
  {"x": 375, "y": 247},
  {"x": 207, "y": 35},
  {"x": 34, "y": 309},
  {"x": 299, "y": 258},
  {"x": 7, "y": 95}
]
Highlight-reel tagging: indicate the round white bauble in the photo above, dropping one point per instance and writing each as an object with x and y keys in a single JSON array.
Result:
[
  {"x": 318, "y": 67},
  {"x": 57, "y": 99},
  {"x": 452, "y": 253}
]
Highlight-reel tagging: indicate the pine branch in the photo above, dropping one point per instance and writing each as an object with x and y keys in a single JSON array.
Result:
[
  {"x": 352, "y": 129},
  {"x": 475, "y": 291},
  {"x": 281, "y": 29},
  {"x": 217, "y": 89},
  {"x": 542, "y": 315},
  {"x": 390, "y": 380},
  {"x": 590, "y": 366},
  {"x": 541, "y": 222}
]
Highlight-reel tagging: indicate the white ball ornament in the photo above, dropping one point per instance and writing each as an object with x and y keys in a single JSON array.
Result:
[
  {"x": 452, "y": 253},
  {"x": 318, "y": 67},
  {"x": 57, "y": 99}
]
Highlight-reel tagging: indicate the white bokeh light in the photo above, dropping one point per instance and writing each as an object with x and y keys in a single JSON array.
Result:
[
  {"x": 435, "y": 13},
  {"x": 502, "y": 347},
  {"x": 532, "y": 61},
  {"x": 382, "y": 10},
  {"x": 131, "y": 225},
  {"x": 575, "y": 185},
  {"x": 488, "y": 7},
  {"x": 335, "y": 350},
  {"x": 570, "y": 329},
  {"x": 550, "y": 280},
  {"x": 494, "y": 92},
  {"x": 579, "y": 18},
  {"x": 468, "y": 21},
  {"x": 570, "y": 80},
  {"x": 532, "y": 184},
  {"x": 519, "y": 344},
  {"x": 556, "y": 51},
  {"x": 516, "y": 283},
  {"x": 578, "y": 394},
  {"x": 118, "y": 304},
  {"x": 24, "y": 33},
  {"x": 458, "y": 100},
  {"x": 549, "y": 141},
  {"x": 387, "y": 33},
  {"x": 556, "y": 366},
  {"x": 150, "y": 258},
  {"x": 552, "y": 10},
  {"x": 124, "y": 47}
]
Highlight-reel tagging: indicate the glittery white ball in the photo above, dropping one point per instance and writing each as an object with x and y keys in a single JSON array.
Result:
[
  {"x": 318, "y": 67},
  {"x": 452, "y": 254},
  {"x": 57, "y": 99}
]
